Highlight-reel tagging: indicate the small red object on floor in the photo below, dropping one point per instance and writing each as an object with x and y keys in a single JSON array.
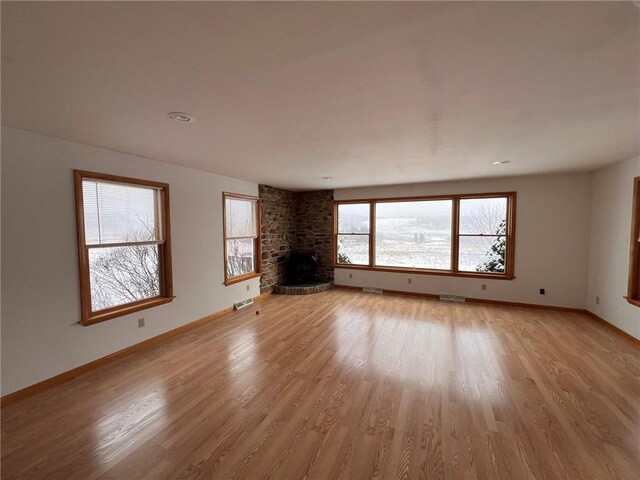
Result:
[{"x": 257, "y": 312}]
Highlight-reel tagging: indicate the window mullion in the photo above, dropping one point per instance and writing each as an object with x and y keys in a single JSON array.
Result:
[
  {"x": 455, "y": 237},
  {"x": 124, "y": 244},
  {"x": 372, "y": 234}
]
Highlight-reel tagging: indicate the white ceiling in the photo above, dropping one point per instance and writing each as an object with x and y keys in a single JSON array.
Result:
[{"x": 368, "y": 93}]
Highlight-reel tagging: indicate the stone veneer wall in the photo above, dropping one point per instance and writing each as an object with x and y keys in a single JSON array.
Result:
[
  {"x": 314, "y": 211},
  {"x": 278, "y": 228},
  {"x": 303, "y": 289},
  {"x": 294, "y": 221}
]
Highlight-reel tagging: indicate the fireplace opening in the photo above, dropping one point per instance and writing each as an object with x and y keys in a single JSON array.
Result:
[
  {"x": 303, "y": 276},
  {"x": 302, "y": 268}
]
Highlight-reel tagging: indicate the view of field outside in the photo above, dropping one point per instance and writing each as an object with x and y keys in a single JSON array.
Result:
[
  {"x": 418, "y": 234},
  {"x": 414, "y": 234},
  {"x": 353, "y": 223}
]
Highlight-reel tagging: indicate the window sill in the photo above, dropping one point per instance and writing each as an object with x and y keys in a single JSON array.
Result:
[
  {"x": 242, "y": 278},
  {"x": 125, "y": 310},
  {"x": 633, "y": 301},
  {"x": 492, "y": 276}
]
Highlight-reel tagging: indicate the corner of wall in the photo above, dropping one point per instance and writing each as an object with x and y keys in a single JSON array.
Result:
[
  {"x": 294, "y": 221},
  {"x": 608, "y": 261}
]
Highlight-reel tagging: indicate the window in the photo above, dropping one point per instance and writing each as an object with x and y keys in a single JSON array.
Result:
[
  {"x": 241, "y": 238},
  {"x": 482, "y": 235},
  {"x": 633, "y": 293},
  {"x": 463, "y": 235},
  {"x": 353, "y": 239},
  {"x": 124, "y": 246},
  {"x": 414, "y": 234}
]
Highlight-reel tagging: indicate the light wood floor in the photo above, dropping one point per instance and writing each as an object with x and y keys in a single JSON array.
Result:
[{"x": 347, "y": 385}]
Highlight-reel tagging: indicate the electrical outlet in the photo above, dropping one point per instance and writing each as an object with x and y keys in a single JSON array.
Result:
[
  {"x": 409, "y": 280},
  {"x": 248, "y": 287},
  {"x": 141, "y": 322},
  {"x": 351, "y": 275},
  {"x": 542, "y": 292},
  {"x": 597, "y": 300},
  {"x": 484, "y": 286}
]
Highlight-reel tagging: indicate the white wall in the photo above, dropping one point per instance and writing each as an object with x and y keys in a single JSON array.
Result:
[
  {"x": 552, "y": 230},
  {"x": 41, "y": 336},
  {"x": 612, "y": 193}
]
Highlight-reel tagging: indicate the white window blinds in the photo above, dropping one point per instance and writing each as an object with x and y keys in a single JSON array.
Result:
[
  {"x": 240, "y": 218},
  {"x": 116, "y": 213}
]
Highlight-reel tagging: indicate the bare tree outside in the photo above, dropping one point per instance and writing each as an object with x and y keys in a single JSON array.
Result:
[
  {"x": 124, "y": 274},
  {"x": 484, "y": 218},
  {"x": 241, "y": 234},
  {"x": 240, "y": 256}
]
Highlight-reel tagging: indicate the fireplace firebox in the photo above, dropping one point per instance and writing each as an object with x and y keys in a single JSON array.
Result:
[
  {"x": 302, "y": 275},
  {"x": 302, "y": 268}
]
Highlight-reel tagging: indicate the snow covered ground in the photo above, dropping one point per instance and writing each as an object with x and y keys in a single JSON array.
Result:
[{"x": 416, "y": 243}]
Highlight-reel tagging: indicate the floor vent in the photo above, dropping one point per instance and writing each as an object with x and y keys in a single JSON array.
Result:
[
  {"x": 372, "y": 289},
  {"x": 452, "y": 298},
  {"x": 243, "y": 303}
]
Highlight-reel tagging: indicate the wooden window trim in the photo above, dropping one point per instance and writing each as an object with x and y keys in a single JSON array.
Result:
[
  {"x": 164, "y": 255},
  {"x": 633, "y": 289},
  {"x": 509, "y": 273},
  {"x": 257, "y": 247},
  {"x": 242, "y": 278},
  {"x": 338, "y": 233}
]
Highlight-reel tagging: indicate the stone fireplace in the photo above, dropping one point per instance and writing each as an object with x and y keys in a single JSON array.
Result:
[{"x": 295, "y": 224}]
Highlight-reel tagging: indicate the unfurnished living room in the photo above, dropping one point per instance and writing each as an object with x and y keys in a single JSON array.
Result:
[{"x": 320, "y": 240}]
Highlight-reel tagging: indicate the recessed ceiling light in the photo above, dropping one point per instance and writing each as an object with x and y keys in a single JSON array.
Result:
[
  {"x": 504, "y": 162},
  {"x": 182, "y": 117}
]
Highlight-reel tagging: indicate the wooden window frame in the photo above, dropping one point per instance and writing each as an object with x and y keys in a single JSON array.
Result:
[
  {"x": 633, "y": 290},
  {"x": 509, "y": 273},
  {"x": 164, "y": 252},
  {"x": 337, "y": 233},
  {"x": 257, "y": 245}
]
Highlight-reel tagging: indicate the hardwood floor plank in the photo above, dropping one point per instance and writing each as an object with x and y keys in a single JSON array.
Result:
[{"x": 347, "y": 385}]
